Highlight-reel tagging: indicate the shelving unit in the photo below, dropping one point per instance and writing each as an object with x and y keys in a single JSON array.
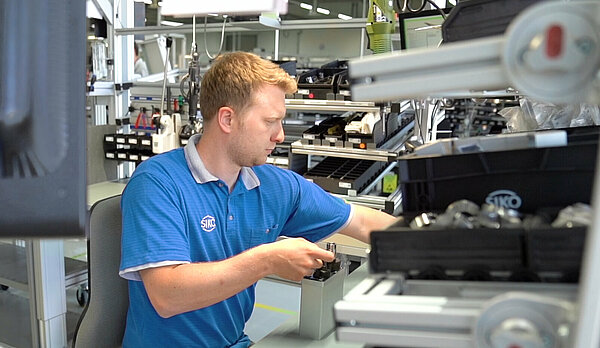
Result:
[{"x": 388, "y": 152}]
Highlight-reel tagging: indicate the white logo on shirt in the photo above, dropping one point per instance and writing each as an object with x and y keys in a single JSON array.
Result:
[{"x": 208, "y": 223}]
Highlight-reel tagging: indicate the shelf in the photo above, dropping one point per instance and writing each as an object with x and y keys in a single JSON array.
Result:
[
  {"x": 319, "y": 150},
  {"x": 329, "y": 105},
  {"x": 13, "y": 268},
  {"x": 301, "y": 24},
  {"x": 387, "y": 152}
]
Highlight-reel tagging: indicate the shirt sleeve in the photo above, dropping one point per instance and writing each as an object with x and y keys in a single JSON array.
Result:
[
  {"x": 317, "y": 214},
  {"x": 154, "y": 232}
]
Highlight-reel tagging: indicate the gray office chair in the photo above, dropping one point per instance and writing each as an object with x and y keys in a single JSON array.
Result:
[{"x": 102, "y": 323}]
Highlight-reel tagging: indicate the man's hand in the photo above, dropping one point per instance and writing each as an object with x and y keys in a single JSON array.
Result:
[{"x": 295, "y": 258}]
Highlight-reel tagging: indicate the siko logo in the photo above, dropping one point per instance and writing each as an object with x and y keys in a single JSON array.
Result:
[
  {"x": 504, "y": 198},
  {"x": 208, "y": 223}
]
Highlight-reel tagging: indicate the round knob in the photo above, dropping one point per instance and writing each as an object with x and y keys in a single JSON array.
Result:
[{"x": 516, "y": 333}]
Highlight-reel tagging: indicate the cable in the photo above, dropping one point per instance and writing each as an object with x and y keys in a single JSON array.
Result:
[
  {"x": 437, "y": 7},
  {"x": 222, "y": 37},
  {"x": 406, "y": 6}
]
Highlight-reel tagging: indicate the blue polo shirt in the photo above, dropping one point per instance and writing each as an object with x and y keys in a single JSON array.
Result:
[{"x": 175, "y": 211}]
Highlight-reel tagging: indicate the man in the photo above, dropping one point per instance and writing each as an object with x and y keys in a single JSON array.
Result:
[
  {"x": 200, "y": 224},
  {"x": 139, "y": 66}
]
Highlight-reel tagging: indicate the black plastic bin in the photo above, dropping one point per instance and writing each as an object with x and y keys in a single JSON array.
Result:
[
  {"x": 339, "y": 175},
  {"x": 556, "y": 250},
  {"x": 402, "y": 249},
  {"x": 520, "y": 179},
  {"x": 532, "y": 255}
]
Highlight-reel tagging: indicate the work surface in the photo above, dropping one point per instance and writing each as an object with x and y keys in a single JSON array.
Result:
[{"x": 286, "y": 335}]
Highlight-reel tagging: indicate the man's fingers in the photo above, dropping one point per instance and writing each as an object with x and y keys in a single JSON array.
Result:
[
  {"x": 319, "y": 263},
  {"x": 322, "y": 254}
]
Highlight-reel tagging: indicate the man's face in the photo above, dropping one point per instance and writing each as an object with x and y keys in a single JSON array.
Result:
[{"x": 258, "y": 128}]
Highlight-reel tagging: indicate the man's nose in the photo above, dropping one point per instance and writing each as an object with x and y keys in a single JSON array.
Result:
[{"x": 279, "y": 136}]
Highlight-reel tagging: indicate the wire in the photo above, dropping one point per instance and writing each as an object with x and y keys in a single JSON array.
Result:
[
  {"x": 181, "y": 86},
  {"x": 406, "y": 5},
  {"x": 222, "y": 37},
  {"x": 437, "y": 7}
]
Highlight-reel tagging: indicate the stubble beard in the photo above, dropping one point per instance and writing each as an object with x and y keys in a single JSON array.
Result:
[{"x": 240, "y": 156}]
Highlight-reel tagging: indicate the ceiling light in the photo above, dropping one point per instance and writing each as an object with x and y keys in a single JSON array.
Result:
[
  {"x": 323, "y": 10},
  {"x": 171, "y": 23},
  {"x": 306, "y": 6},
  {"x": 344, "y": 17},
  {"x": 188, "y": 8},
  {"x": 429, "y": 27}
]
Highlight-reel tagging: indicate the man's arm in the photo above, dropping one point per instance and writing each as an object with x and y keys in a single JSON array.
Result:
[
  {"x": 366, "y": 220},
  {"x": 186, "y": 287}
]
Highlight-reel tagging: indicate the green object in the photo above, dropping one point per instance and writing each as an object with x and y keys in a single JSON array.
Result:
[
  {"x": 381, "y": 24},
  {"x": 390, "y": 183}
]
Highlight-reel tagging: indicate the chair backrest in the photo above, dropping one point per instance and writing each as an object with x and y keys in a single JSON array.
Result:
[{"x": 102, "y": 323}]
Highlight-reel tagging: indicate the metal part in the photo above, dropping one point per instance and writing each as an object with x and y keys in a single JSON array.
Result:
[
  {"x": 389, "y": 311},
  {"x": 390, "y": 204},
  {"x": 329, "y": 105},
  {"x": 319, "y": 293}
]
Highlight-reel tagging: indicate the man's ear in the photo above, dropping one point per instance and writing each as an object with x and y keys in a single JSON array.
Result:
[{"x": 224, "y": 118}]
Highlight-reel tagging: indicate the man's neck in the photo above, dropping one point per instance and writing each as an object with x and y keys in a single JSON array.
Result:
[{"x": 216, "y": 161}]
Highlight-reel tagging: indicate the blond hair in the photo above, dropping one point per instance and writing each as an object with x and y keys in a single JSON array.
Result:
[{"x": 233, "y": 79}]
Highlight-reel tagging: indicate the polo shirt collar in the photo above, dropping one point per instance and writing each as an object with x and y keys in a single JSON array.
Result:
[{"x": 202, "y": 175}]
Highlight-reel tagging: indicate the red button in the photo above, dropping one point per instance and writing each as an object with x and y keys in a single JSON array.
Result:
[{"x": 554, "y": 39}]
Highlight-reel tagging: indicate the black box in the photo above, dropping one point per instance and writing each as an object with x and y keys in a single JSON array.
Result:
[
  {"x": 144, "y": 143},
  {"x": 329, "y": 127},
  {"x": 317, "y": 83},
  {"x": 523, "y": 179}
]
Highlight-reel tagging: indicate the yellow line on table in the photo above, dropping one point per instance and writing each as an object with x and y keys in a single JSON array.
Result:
[{"x": 274, "y": 309}]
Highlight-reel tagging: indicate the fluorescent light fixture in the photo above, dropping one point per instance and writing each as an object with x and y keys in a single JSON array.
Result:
[
  {"x": 428, "y": 27},
  {"x": 344, "y": 17},
  {"x": 213, "y": 14},
  {"x": 149, "y": 2},
  {"x": 322, "y": 10},
  {"x": 188, "y": 8},
  {"x": 160, "y": 3},
  {"x": 306, "y": 6},
  {"x": 171, "y": 23}
]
